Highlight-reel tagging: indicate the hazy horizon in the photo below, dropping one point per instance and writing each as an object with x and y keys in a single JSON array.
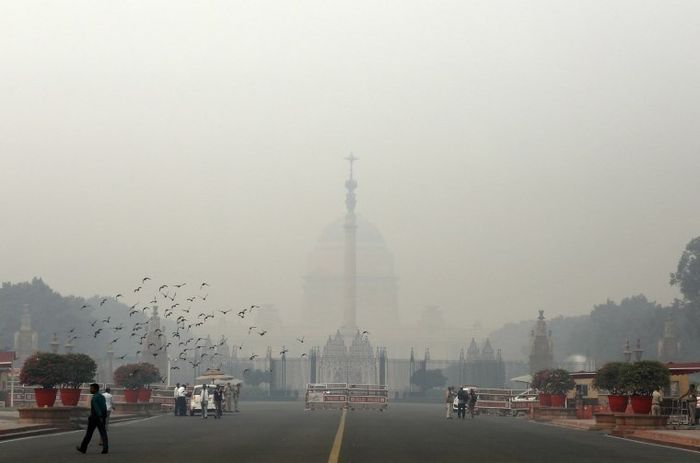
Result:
[{"x": 514, "y": 156}]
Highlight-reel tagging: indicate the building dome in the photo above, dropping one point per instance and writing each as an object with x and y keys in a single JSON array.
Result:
[
  {"x": 324, "y": 284},
  {"x": 367, "y": 233}
]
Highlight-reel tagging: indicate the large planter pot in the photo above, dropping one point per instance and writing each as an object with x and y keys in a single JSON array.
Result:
[
  {"x": 144, "y": 395},
  {"x": 558, "y": 400},
  {"x": 45, "y": 397},
  {"x": 618, "y": 403},
  {"x": 70, "y": 396},
  {"x": 131, "y": 396},
  {"x": 641, "y": 404},
  {"x": 545, "y": 399}
]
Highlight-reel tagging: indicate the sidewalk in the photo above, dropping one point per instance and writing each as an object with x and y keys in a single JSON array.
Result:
[
  {"x": 10, "y": 427},
  {"x": 684, "y": 438}
]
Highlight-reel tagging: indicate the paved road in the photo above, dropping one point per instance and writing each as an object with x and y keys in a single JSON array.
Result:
[{"x": 283, "y": 432}]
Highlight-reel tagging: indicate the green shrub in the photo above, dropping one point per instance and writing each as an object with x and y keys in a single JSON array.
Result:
[
  {"x": 610, "y": 378},
  {"x": 45, "y": 369},
  {"x": 641, "y": 378}
]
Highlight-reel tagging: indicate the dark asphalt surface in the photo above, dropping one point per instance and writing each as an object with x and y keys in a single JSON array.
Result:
[{"x": 283, "y": 432}]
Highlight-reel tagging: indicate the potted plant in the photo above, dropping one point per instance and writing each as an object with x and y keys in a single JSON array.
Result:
[
  {"x": 640, "y": 379},
  {"x": 559, "y": 383},
  {"x": 79, "y": 369},
  {"x": 149, "y": 374},
  {"x": 610, "y": 378},
  {"x": 128, "y": 377},
  {"x": 539, "y": 382},
  {"x": 44, "y": 369},
  {"x": 133, "y": 377}
]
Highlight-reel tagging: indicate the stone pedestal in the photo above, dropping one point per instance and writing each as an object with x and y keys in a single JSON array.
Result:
[
  {"x": 60, "y": 417},
  {"x": 604, "y": 421},
  {"x": 627, "y": 424},
  {"x": 553, "y": 413}
]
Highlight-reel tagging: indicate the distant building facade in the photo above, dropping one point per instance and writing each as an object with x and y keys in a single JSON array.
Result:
[
  {"x": 541, "y": 346},
  {"x": 26, "y": 339}
]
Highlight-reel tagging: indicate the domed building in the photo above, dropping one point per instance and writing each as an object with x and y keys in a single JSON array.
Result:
[{"x": 377, "y": 285}]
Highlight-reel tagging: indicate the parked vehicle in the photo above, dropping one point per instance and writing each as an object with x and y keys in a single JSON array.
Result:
[
  {"x": 521, "y": 403},
  {"x": 196, "y": 399}
]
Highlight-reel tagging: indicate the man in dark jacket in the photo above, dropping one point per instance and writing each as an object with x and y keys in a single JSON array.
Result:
[{"x": 98, "y": 414}]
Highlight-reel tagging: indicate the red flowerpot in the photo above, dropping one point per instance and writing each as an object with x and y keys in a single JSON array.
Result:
[
  {"x": 641, "y": 404},
  {"x": 144, "y": 395},
  {"x": 545, "y": 399},
  {"x": 131, "y": 396},
  {"x": 70, "y": 396},
  {"x": 45, "y": 397},
  {"x": 558, "y": 400},
  {"x": 618, "y": 403}
]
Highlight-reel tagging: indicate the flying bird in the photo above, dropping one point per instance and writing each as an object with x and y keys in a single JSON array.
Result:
[
  {"x": 102, "y": 302},
  {"x": 301, "y": 339},
  {"x": 203, "y": 285},
  {"x": 251, "y": 329},
  {"x": 252, "y": 357},
  {"x": 85, "y": 306},
  {"x": 262, "y": 333},
  {"x": 162, "y": 287},
  {"x": 180, "y": 285},
  {"x": 225, "y": 311},
  {"x": 145, "y": 279},
  {"x": 99, "y": 330},
  {"x": 138, "y": 289},
  {"x": 118, "y": 296}
]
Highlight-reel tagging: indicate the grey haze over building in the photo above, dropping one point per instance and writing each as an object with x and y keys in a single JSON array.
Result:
[{"x": 514, "y": 156}]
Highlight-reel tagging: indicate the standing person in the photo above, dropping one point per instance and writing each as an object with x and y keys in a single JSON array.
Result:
[
  {"x": 656, "y": 399},
  {"x": 449, "y": 400},
  {"x": 218, "y": 401},
  {"x": 176, "y": 398},
  {"x": 236, "y": 396},
  {"x": 462, "y": 399},
  {"x": 98, "y": 413},
  {"x": 228, "y": 392},
  {"x": 110, "y": 406},
  {"x": 692, "y": 396},
  {"x": 182, "y": 400},
  {"x": 204, "y": 400},
  {"x": 472, "y": 402}
]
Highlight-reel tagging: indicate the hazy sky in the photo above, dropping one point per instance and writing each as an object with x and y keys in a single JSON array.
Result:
[{"x": 516, "y": 155}]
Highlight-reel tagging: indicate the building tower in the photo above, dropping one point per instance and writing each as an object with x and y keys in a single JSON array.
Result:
[
  {"x": 350, "y": 269},
  {"x": 669, "y": 347},
  {"x": 541, "y": 346},
  {"x": 153, "y": 348},
  {"x": 26, "y": 339}
]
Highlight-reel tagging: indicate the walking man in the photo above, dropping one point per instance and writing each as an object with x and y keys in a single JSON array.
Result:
[
  {"x": 462, "y": 399},
  {"x": 228, "y": 393},
  {"x": 204, "y": 400},
  {"x": 218, "y": 401},
  {"x": 98, "y": 414},
  {"x": 656, "y": 399},
  {"x": 449, "y": 400},
  {"x": 236, "y": 396},
  {"x": 472, "y": 402}
]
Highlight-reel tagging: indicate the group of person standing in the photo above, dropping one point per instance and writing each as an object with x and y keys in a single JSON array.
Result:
[
  {"x": 466, "y": 399},
  {"x": 225, "y": 398}
]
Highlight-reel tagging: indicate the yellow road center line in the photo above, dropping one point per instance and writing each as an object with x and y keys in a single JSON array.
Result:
[{"x": 335, "y": 450}]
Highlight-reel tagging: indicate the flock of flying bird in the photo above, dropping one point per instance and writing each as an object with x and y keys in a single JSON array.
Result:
[{"x": 187, "y": 314}]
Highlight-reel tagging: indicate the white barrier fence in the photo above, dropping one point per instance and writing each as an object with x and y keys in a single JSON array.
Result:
[{"x": 330, "y": 396}]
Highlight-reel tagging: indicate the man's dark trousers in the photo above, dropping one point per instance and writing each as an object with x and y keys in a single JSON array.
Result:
[{"x": 95, "y": 422}]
